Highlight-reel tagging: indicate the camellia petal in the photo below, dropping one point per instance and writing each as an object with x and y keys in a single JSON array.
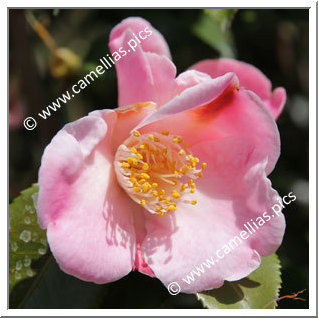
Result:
[
  {"x": 143, "y": 74},
  {"x": 87, "y": 216},
  {"x": 120, "y": 122},
  {"x": 211, "y": 229},
  {"x": 151, "y": 40},
  {"x": 216, "y": 109},
  {"x": 250, "y": 78},
  {"x": 146, "y": 72}
]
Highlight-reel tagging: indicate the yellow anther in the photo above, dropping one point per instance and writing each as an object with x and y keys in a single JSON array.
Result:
[
  {"x": 132, "y": 179},
  {"x": 162, "y": 192},
  {"x": 182, "y": 170},
  {"x": 194, "y": 202},
  {"x": 171, "y": 207},
  {"x": 133, "y": 150},
  {"x": 192, "y": 190},
  {"x": 132, "y": 161},
  {"x": 190, "y": 182},
  {"x": 156, "y": 139},
  {"x": 160, "y": 214},
  {"x": 176, "y": 194},
  {"x": 145, "y": 166},
  {"x": 142, "y": 202},
  {"x": 139, "y": 156},
  {"x": 146, "y": 187},
  {"x": 193, "y": 158},
  {"x": 151, "y": 137},
  {"x": 165, "y": 132},
  {"x": 181, "y": 152},
  {"x": 193, "y": 185},
  {"x": 168, "y": 199},
  {"x": 141, "y": 181},
  {"x": 144, "y": 175},
  {"x": 189, "y": 167},
  {"x": 196, "y": 159},
  {"x": 155, "y": 193},
  {"x": 136, "y": 133},
  {"x": 177, "y": 139},
  {"x": 136, "y": 189},
  {"x": 183, "y": 187},
  {"x": 204, "y": 165},
  {"x": 125, "y": 165},
  {"x": 142, "y": 146},
  {"x": 199, "y": 174},
  {"x": 154, "y": 185},
  {"x": 161, "y": 197}
]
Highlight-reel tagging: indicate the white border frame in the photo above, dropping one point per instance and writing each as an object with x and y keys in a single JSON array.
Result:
[{"x": 312, "y": 161}]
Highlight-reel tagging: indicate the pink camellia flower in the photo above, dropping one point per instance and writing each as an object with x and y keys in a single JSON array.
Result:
[{"x": 160, "y": 183}]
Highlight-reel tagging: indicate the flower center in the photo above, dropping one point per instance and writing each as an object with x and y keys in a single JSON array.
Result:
[{"x": 156, "y": 170}]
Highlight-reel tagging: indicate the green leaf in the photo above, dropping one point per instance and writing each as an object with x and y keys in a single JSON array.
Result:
[
  {"x": 258, "y": 290},
  {"x": 223, "y": 17},
  {"x": 57, "y": 290},
  {"x": 27, "y": 241},
  {"x": 213, "y": 28}
]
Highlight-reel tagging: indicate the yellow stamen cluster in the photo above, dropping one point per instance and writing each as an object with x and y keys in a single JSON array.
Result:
[{"x": 157, "y": 170}]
